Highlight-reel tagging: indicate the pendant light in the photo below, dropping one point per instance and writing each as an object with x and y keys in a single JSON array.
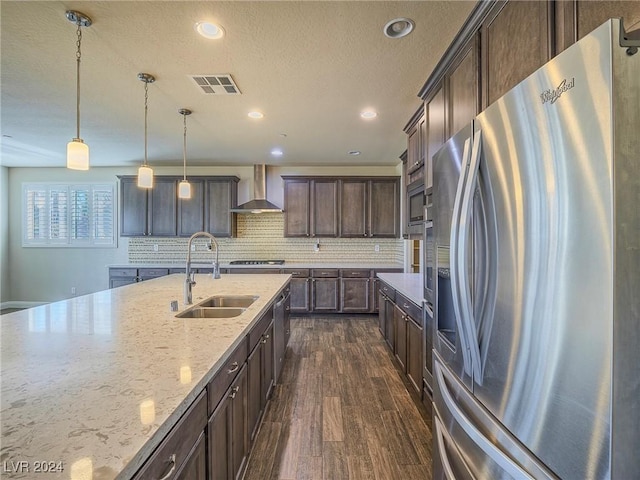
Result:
[
  {"x": 184, "y": 188},
  {"x": 145, "y": 173},
  {"x": 77, "y": 150}
]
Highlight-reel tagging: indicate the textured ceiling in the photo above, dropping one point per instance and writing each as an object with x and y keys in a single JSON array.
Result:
[{"x": 310, "y": 67}]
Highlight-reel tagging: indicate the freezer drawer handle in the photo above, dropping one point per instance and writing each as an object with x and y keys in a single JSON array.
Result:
[
  {"x": 446, "y": 465},
  {"x": 478, "y": 438}
]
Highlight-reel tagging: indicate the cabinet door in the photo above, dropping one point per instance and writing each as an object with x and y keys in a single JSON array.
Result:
[
  {"x": 414, "y": 354},
  {"x": 221, "y": 195},
  {"x": 400, "y": 340},
  {"x": 195, "y": 466},
  {"x": 353, "y": 208},
  {"x": 254, "y": 393},
  {"x": 463, "y": 88},
  {"x": 191, "y": 210},
  {"x": 436, "y": 131},
  {"x": 239, "y": 434},
  {"x": 354, "y": 295},
  {"x": 390, "y": 329},
  {"x": 133, "y": 208},
  {"x": 516, "y": 42},
  {"x": 300, "y": 295},
  {"x": 296, "y": 208},
  {"x": 382, "y": 314},
  {"x": 163, "y": 207},
  {"x": 267, "y": 373},
  {"x": 325, "y": 294},
  {"x": 384, "y": 202},
  {"x": 324, "y": 208}
]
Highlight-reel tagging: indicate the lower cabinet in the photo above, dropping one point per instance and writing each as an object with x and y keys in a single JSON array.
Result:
[
  {"x": 355, "y": 291},
  {"x": 261, "y": 372},
  {"x": 195, "y": 467},
  {"x": 414, "y": 353},
  {"x": 227, "y": 431},
  {"x": 400, "y": 337},
  {"x": 325, "y": 290}
]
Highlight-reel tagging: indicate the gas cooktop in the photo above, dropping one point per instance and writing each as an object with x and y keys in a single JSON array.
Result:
[{"x": 256, "y": 262}]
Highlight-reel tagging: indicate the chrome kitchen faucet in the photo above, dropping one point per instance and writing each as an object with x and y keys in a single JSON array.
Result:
[{"x": 190, "y": 281}]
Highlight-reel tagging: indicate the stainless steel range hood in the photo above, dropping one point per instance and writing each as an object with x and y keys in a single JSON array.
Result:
[{"x": 259, "y": 204}]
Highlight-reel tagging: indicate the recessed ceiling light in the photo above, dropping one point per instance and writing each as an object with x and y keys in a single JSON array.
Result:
[
  {"x": 354, "y": 152},
  {"x": 276, "y": 152},
  {"x": 210, "y": 30},
  {"x": 368, "y": 114},
  {"x": 255, "y": 115},
  {"x": 398, "y": 27}
]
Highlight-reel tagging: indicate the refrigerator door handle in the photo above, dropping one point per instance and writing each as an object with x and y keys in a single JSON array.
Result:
[
  {"x": 454, "y": 246},
  {"x": 474, "y": 434},
  {"x": 440, "y": 436},
  {"x": 462, "y": 259}
]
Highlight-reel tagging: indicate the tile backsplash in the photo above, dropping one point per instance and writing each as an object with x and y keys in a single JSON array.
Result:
[{"x": 260, "y": 237}]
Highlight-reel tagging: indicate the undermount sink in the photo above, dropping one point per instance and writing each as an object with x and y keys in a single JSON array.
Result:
[
  {"x": 228, "y": 301},
  {"x": 211, "y": 312}
]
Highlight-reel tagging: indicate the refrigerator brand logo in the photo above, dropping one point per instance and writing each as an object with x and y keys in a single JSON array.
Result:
[{"x": 553, "y": 95}]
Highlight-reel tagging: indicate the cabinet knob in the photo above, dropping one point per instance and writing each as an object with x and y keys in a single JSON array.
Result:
[{"x": 234, "y": 391}]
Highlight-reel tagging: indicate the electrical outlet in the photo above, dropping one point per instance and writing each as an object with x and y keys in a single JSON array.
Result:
[
  {"x": 155, "y": 247},
  {"x": 73, "y": 290},
  {"x": 376, "y": 248},
  {"x": 193, "y": 247},
  {"x": 316, "y": 247}
]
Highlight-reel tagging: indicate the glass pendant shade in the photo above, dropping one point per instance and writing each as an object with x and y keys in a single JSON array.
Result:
[
  {"x": 77, "y": 155},
  {"x": 184, "y": 189},
  {"x": 145, "y": 177}
]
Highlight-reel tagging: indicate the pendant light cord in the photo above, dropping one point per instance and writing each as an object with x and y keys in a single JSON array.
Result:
[
  {"x": 184, "y": 149},
  {"x": 78, "y": 55},
  {"x": 146, "y": 98}
]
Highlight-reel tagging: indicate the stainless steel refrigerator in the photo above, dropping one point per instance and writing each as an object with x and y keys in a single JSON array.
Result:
[{"x": 536, "y": 358}]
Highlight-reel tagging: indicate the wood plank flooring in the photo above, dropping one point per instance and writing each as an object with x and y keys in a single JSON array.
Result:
[{"x": 341, "y": 410}]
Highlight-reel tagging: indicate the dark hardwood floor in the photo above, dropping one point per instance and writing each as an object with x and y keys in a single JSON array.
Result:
[{"x": 341, "y": 409}]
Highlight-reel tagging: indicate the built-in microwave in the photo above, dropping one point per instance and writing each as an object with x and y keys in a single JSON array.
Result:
[{"x": 415, "y": 202}]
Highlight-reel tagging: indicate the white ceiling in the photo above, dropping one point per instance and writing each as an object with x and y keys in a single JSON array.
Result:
[{"x": 309, "y": 66}]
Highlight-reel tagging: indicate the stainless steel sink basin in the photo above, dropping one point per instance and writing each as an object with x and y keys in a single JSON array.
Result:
[
  {"x": 228, "y": 301},
  {"x": 211, "y": 312}
]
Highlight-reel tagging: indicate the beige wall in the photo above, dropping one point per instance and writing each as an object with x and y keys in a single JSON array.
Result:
[
  {"x": 4, "y": 234},
  {"x": 48, "y": 274}
]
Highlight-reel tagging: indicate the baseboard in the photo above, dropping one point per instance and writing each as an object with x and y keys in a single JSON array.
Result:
[{"x": 20, "y": 304}]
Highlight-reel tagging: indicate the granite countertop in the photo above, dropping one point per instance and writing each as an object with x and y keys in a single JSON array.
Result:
[
  {"x": 408, "y": 284},
  {"x": 95, "y": 382},
  {"x": 286, "y": 265}
]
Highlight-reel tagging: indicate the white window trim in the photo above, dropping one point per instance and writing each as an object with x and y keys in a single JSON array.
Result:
[{"x": 69, "y": 242}]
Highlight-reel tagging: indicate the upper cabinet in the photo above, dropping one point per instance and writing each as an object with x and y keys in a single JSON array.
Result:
[
  {"x": 517, "y": 40},
  {"x": 341, "y": 206},
  {"x": 436, "y": 122},
  {"x": 159, "y": 212}
]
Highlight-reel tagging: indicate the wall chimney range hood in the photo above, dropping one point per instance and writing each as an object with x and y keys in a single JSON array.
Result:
[{"x": 259, "y": 204}]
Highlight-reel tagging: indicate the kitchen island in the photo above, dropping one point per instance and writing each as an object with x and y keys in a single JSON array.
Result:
[{"x": 92, "y": 385}]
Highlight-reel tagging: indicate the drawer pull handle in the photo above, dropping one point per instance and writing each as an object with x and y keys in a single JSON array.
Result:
[
  {"x": 265, "y": 338},
  {"x": 172, "y": 462},
  {"x": 234, "y": 390},
  {"x": 295, "y": 273},
  {"x": 406, "y": 306},
  {"x": 234, "y": 368}
]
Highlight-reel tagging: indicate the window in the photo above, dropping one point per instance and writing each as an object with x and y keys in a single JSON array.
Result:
[{"x": 68, "y": 215}]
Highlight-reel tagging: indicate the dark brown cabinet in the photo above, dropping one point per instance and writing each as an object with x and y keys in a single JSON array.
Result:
[
  {"x": 325, "y": 290},
  {"x": 400, "y": 338},
  {"x": 414, "y": 352},
  {"x": 227, "y": 431},
  {"x": 436, "y": 130},
  {"x": 159, "y": 212},
  {"x": 355, "y": 291},
  {"x": 260, "y": 371},
  {"x": 180, "y": 450},
  {"x": 463, "y": 97},
  {"x": 300, "y": 290},
  {"x": 195, "y": 467},
  {"x": 517, "y": 40},
  {"x": 311, "y": 207},
  {"x": 370, "y": 207},
  {"x": 281, "y": 330}
]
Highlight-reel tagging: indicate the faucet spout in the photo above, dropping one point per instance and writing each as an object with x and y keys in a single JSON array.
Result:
[{"x": 190, "y": 278}]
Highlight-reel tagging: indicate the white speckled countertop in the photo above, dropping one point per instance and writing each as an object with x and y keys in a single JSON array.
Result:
[
  {"x": 286, "y": 265},
  {"x": 408, "y": 284},
  {"x": 97, "y": 381}
]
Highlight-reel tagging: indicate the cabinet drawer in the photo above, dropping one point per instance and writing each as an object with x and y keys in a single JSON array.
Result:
[
  {"x": 297, "y": 272},
  {"x": 355, "y": 273},
  {"x": 389, "y": 292},
  {"x": 123, "y": 272},
  {"x": 152, "y": 272},
  {"x": 257, "y": 270},
  {"x": 225, "y": 376},
  {"x": 175, "y": 448},
  {"x": 408, "y": 307},
  {"x": 177, "y": 270},
  {"x": 325, "y": 273},
  {"x": 256, "y": 332}
]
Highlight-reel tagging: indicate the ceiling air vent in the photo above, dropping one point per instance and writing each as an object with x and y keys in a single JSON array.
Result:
[{"x": 216, "y": 84}]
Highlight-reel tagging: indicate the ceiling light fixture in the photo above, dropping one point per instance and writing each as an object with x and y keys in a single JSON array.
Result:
[
  {"x": 398, "y": 27},
  {"x": 77, "y": 150},
  {"x": 255, "y": 115},
  {"x": 276, "y": 152},
  {"x": 209, "y": 30},
  {"x": 184, "y": 188},
  {"x": 368, "y": 114},
  {"x": 145, "y": 173}
]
